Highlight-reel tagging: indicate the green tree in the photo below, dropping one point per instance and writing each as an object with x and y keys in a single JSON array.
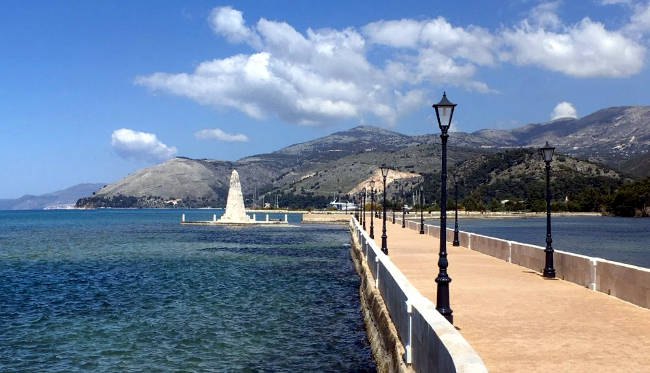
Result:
[
  {"x": 632, "y": 199},
  {"x": 494, "y": 205}
]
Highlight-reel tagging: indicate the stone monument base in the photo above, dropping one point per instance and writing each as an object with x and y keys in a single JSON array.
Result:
[{"x": 250, "y": 221}]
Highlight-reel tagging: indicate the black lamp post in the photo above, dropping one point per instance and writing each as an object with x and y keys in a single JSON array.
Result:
[
  {"x": 357, "y": 202},
  {"x": 547, "y": 155},
  {"x": 403, "y": 209},
  {"x": 393, "y": 208},
  {"x": 357, "y": 205},
  {"x": 444, "y": 112},
  {"x": 372, "y": 209},
  {"x": 421, "y": 209},
  {"x": 456, "y": 242},
  {"x": 363, "y": 204},
  {"x": 384, "y": 247}
]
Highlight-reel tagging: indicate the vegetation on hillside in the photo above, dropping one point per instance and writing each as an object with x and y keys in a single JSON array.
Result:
[
  {"x": 515, "y": 181},
  {"x": 631, "y": 199},
  {"x": 311, "y": 174}
]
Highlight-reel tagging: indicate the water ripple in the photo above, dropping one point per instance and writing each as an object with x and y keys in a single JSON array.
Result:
[{"x": 117, "y": 291}]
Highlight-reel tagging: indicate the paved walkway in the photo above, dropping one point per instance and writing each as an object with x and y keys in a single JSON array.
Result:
[{"x": 516, "y": 320}]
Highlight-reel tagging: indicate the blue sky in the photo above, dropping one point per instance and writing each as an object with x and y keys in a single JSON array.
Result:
[{"x": 93, "y": 90}]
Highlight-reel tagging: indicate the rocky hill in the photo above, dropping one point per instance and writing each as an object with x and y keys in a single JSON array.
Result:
[
  {"x": 611, "y": 136},
  {"x": 638, "y": 166},
  {"x": 341, "y": 162}
]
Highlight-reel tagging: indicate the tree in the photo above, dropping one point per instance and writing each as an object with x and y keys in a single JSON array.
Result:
[
  {"x": 632, "y": 199},
  {"x": 494, "y": 205}
]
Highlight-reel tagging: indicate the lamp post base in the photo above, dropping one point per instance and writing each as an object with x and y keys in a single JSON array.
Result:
[
  {"x": 549, "y": 272},
  {"x": 456, "y": 242},
  {"x": 442, "y": 297}
]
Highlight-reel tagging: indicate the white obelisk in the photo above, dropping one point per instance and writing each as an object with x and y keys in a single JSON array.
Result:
[{"x": 235, "y": 211}]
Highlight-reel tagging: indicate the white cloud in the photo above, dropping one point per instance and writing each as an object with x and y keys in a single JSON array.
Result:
[
  {"x": 434, "y": 51},
  {"x": 316, "y": 79},
  {"x": 321, "y": 76},
  {"x": 218, "y": 134},
  {"x": 326, "y": 75},
  {"x": 229, "y": 22},
  {"x": 585, "y": 49},
  {"x": 639, "y": 21},
  {"x": 545, "y": 15},
  {"x": 132, "y": 144},
  {"x": 564, "y": 110},
  {"x": 437, "y": 35},
  {"x": 615, "y": 2}
]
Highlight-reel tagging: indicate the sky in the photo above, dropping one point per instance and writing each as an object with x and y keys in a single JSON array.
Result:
[{"x": 91, "y": 91}]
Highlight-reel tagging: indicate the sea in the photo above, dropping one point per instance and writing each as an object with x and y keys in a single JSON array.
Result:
[
  {"x": 134, "y": 291},
  {"x": 625, "y": 240}
]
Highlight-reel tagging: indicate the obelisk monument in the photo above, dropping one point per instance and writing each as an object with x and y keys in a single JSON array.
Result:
[{"x": 235, "y": 211}]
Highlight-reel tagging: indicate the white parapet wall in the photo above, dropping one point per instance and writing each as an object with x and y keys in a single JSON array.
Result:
[{"x": 432, "y": 344}]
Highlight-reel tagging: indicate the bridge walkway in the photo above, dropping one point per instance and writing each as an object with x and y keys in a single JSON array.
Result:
[{"x": 517, "y": 320}]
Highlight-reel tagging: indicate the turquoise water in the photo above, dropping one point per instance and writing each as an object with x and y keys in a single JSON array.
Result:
[
  {"x": 133, "y": 290},
  {"x": 624, "y": 240}
]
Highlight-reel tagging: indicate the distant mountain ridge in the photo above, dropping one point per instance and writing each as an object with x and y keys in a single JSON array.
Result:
[
  {"x": 611, "y": 136},
  {"x": 60, "y": 199},
  {"x": 338, "y": 162}
]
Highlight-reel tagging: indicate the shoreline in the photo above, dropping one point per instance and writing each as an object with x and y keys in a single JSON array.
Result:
[
  {"x": 499, "y": 215},
  {"x": 335, "y": 216}
]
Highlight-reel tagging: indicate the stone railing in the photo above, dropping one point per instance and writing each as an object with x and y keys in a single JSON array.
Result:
[
  {"x": 624, "y": 281},
  {"x": 432, "y": 344}
]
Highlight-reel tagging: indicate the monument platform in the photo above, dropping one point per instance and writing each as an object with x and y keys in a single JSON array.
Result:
[{"x": 250, "y": 221}]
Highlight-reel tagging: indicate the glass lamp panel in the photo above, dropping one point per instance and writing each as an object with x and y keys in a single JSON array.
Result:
[
  {"x": 548, "y": 154},
  {"x": 444, "y": 115}
]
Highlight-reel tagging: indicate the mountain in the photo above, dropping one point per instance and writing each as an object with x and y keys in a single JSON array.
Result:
[
  {"x": 612, "y": 136},
  {"x": 345, "y": 160},
  {"x": 519, "y": 177},
  {"x": 638, "y": 166},
  {"x": 332, "y": 164},
  {"x": 182, "y": 182},
  {"x": 60, "y": 199},
  {"x": 360, "y": 138},
  {"x": 609, "y": 136},
  {"x": 166, "y": 184}
]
